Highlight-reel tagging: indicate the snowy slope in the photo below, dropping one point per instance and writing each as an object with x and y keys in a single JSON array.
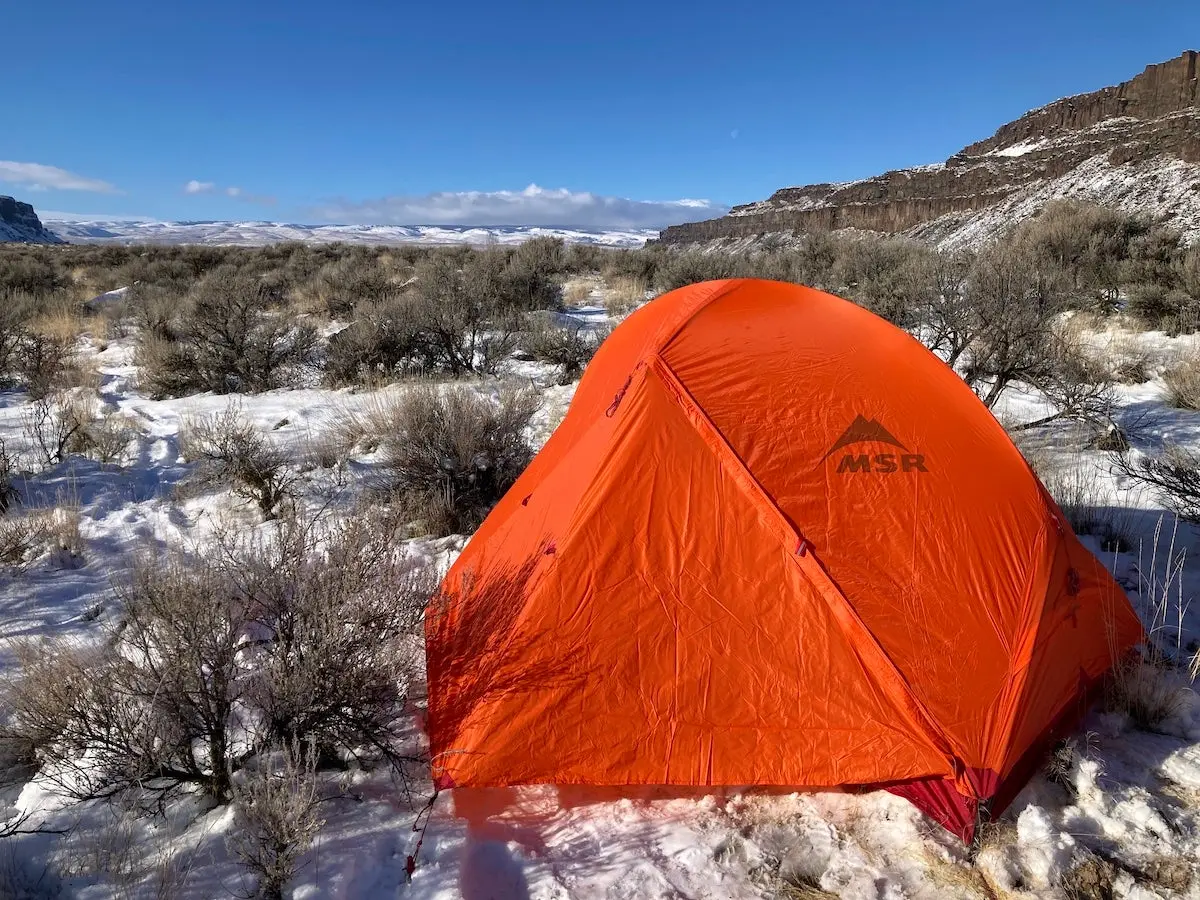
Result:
[{"x": 260, "y": 233}]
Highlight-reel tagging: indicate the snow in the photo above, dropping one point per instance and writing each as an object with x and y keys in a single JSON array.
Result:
[
  {"x": 1019, "y": 149},
  {"x": 1125, "y": 792}
]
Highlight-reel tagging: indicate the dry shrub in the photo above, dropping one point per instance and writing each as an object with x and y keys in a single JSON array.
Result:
[
  {"x": 625, "y": 293},
  {"x": 120, "y": 857},
  {"x": 100, "y": 328},
  {"x": 45, "y": 364},
  {"x": 62, "y": 324},
  {"x": 229, "y": 337},
  {"x": 278, "y": 818},
  {"x": 64, "y": 537},
  {"x": 1060, "y": 765},
  {"x": 998, "y": 834},
  {"x": 340, "y": 609},
  {"x": 1174, "y": 475},
  {"x": 392, "y": 338},
  {"x": 569, "y": 346},
  {"x": 23, "y": 538},
  {"x": 1182, "y": 381},
  {"x": 9, "y": 495},
  {"x": 109, "y": 852},
  {"x": 311, "y": 637},
  {"x": 231, "y": 452},
  {"x": 450, "y": 455},
  {"x": 164, "y": 367},
  {"x": 343, "y": 284},
  {"x": 108, "y": 437},
  {"x": 56, "y": 425}
]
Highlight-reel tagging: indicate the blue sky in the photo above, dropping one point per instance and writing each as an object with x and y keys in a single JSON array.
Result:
[{"x": 442, "y": 113}]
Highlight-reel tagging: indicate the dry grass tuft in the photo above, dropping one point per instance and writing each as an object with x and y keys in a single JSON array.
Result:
[
  {"x": 1147, "y": 692},
  {"x": 1155, "y": 687},
  {"x": 959, "y": 879},
  {"x": 60, "y": 323},
  {"x": 625, "y": 293},
  {"x": 1090, "y": 878},
  {"x": 577, "y": 293},
  {"x": 997, "y": 835},
  {"x": 1129, "y": 359},
  {"x": 802, "y": 888},
  {"x": 1175, "y": 873},
  {"x": 66, "y": 539},
  {"x": 1182, "y": 381}
]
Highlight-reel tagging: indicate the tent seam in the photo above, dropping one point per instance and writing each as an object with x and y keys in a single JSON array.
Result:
[
  {"x": 894, "y": 686},
  {"x": 660, "y": 344}
]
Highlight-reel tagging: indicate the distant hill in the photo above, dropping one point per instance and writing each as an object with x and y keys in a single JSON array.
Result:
[
  {"x": 1135, "y": 146},
  {"x": 261, "y": 233},
  {"x": 19, "y": 223}
]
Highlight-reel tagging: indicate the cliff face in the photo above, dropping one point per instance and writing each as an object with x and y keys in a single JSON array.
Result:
[
  {"x": 1135, "y": 146},
  {"x": 18, "y": 222}
]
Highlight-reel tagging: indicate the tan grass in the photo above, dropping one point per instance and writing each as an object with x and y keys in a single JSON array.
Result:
[
  {"x": 797, "y": 888},
  {"x": 60, "y": 322},
  {"x": 624, "y": 294},
  {"x": 1129, "y": 359},
  {"x": 1182, "y": 382},
  {"x": 957, "y": 877},
  {"x": 578, "y": 292}
]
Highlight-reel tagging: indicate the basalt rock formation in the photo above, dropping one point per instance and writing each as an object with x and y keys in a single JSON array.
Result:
[
  {"x": 1135, "y": 146},
  {"x": 18, "y": 222}
]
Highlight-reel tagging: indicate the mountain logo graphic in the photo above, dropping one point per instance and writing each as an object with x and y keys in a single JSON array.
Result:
[
  {"x": 861, "y": 431},
  {"x": 869, "y": 431}
]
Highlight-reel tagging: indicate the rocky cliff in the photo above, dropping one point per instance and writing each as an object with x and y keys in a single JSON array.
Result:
[
  {"x": 1135, "y": 146},
  {"x": 18, "y": 222}
]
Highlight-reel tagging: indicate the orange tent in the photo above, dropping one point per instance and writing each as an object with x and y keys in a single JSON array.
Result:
[{"x": 775, "y": 541}]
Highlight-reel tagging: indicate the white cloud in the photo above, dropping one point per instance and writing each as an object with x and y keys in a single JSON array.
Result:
[
  {"x": 207, "y": 187},
  {"x": 532, "y": 206},
  {"x": 37, "y": 177}
]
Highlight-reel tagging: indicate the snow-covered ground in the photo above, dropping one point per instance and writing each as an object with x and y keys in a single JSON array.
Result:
[{"x": 1128, "y": 795}]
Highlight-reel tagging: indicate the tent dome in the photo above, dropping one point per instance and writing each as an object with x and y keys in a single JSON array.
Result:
[{"x": 775, "y": 541}]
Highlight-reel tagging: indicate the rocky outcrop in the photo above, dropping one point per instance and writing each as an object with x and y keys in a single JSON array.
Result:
[
  {"x": 1138, "y": 144},
  {"x": 1162, "y": 89},
  {"x": 18, "y": 222}
]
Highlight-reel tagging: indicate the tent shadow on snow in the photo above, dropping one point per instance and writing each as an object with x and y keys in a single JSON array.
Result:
[
  {"x": 511, "y": 830},
  {"x": 489, "y": 871}
]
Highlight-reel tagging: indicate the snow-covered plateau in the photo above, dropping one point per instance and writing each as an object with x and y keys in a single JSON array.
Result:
[{"x": 256, "y": 234}]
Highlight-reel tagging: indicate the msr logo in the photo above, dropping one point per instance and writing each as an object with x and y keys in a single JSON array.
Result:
[{"x": 869, "y": 431}]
